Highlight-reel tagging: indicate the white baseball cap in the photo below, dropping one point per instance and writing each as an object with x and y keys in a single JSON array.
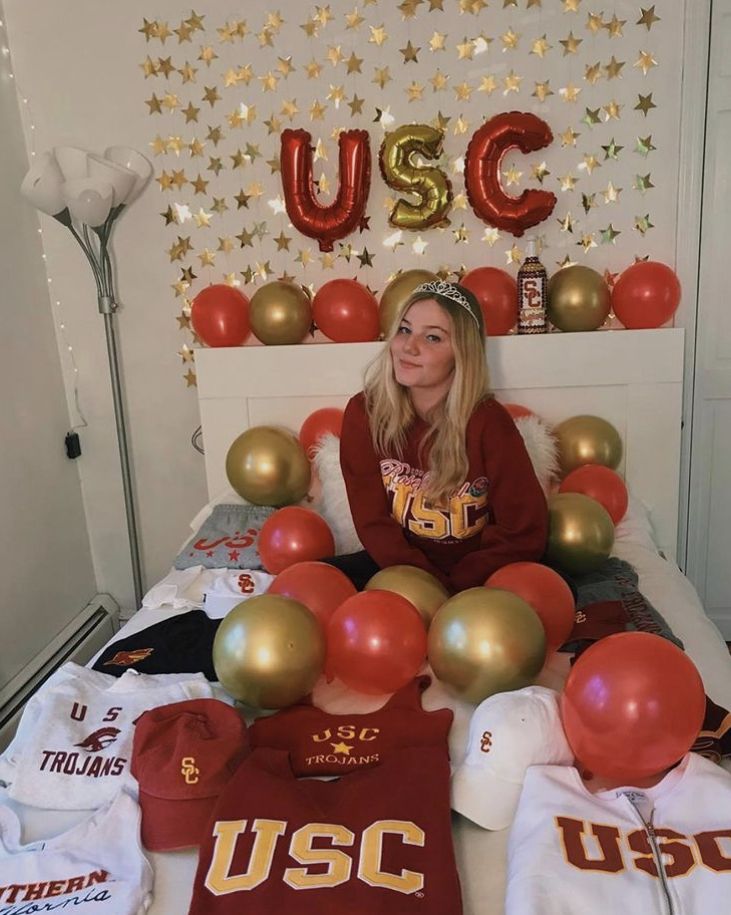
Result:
[{"x": 508, "y": 732}]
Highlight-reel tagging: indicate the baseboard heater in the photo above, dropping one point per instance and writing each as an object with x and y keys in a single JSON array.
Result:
[{"x": 79, "y": 641}]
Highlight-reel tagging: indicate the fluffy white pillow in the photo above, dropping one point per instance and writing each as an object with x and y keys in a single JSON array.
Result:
[{"x": 333, "y": 502}]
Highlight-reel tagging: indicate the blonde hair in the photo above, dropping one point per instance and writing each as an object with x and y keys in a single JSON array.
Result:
[{"x": 391, "y": 412}]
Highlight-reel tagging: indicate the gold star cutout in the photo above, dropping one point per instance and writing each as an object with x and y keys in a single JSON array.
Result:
[
  {"x": 149, "y": 67},
  {"x": 304, "y": 256},
  {"x": 336, "y": 94},
  {"x": 215, "y": 135},
  {"x": 159, "y": 146},
  {"x": 284, "y": 65},
  {"x": 645, "y": 62},
  {"x": 511, "y": 82},
  {"x": 643, "y": 224},
  {"x": 163, "y": 32},
  {"x": 611, "y": 195},
  {"x": 268, "y": 82},
  {"x": 366, "y": 258},
  {"x": 323, "y": 14},
  {"x": 289, "y": 109},
  {"x": 225, "y": 244},
  {"x": 514, "y": 256},
  {"x": 643, "y": 183},
  {"x": 164, "y": 181},
  {"x": 438, "y": 81},
  {"x": 187, "y": 275},
  {"x": 648, "y": 18},
  {"x": 612, "y": 151},
  {"x": 463, "y": 92},
  {"x": 242, "y": 200},
  {"x": 569, "y": 136},
  {"x": 613, "y": 68},
  {"x": 565, "y": 262},
  {"x": 436, "y": 42},
  {"x": 273, "y": 124},
  {"x": 382, "y": 76},
  {"x": 569, "y": 93},
  {"x": 408, "y": 8},
  {"x": 186, "y": 353},
  {"x": 542, "y": 91},
  {"x": 238, "y": 159},
  {"x": 246, "y": 238},
  {"x": 265, "y": 38},
  {"x": 199, "y": 185},
  {"x": 645, "y": 103},
  {"x": 409, "y": 53},
  {"x": 587, "y": 241},
  {"x": 436, "y": 5},
  {"x": 378, "y": 35},
  {"x": 540, "y": 171},
  {"x": 191, "y": 113},
  {"x": 644, "y": 146},
  {"x": 570, "y": 44},
  {"x": 510, "y": 40},
  {"x": 230, "y": 279},
  {"x": 460, "y": 202},
  {"x": 540, "y": 47},
  {"x": 491, "y": 236},
  {"x": 356, "y": 105},
  {"x": 591, "y": 117},
  {"x": 466, "y": 49},
  {"x": 168, "y": 216},
  {"x": 154, "y": 105},
  {"x": 313, "y": 69},
  {"x": 317, "y": 111},
  {"x": 207, "y": 55},
  {"x": 170, "y": 101},
  {"x": 283, "y": 241},
  {"x": 612, "y": 110},
  {"x": 461, "y": 126},
  {"x": 255, "y": 189},
  {"x": 594, "y": 23},
  {"x": 334, "y": 55},
  {"x": 588, "y": 201},
  {"x": 195, "y": 21},
  {"x": 488, "y": 84},
  {"x": 589, "y": 163},
  {"x": 593, "y": 73},
  {"x": 512, "y": 176},
  {"x": 609, "y": 234},
  {"x": 567, "y": 182},
  {"x": 353, "y": 20},
  {"x": 614, "y": 26},
  {"x": 207, "y": 258},
  {"x": 211, "y": 95},
  {"x": 327, "y": 261},
  {"x": 190, "y": 379},
  {"x": 415, "y": 92},
  {"x": 441, "y": 122},
  {"x": 274, "y": 165},
  {"x": 567, "y": 223},
  {"x": 150, "y": 29},
  {"x": 310, "y": 28},
  {"x": 178, "y": 178},
  {"x": 201, "y": 218},
  {"x": 195, "y": 148},
  {"x": 461, "y": 234},
  {"x": 571, "y": 6},
  {"x": 353, "y": 63},
  {"x": 187, "y": 73}
]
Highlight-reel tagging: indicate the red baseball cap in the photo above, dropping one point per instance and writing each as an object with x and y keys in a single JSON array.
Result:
[{"x": 183, "y": 755}]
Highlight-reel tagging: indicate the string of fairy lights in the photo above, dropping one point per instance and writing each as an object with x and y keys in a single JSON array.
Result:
[{"x": 29, "y": 129}]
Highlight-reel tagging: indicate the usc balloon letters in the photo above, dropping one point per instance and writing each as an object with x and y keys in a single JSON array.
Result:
[
  {"x": 400, "y": 172},
  {"x": 485, "y": 193},
  {"x": 325, "y": 223}
]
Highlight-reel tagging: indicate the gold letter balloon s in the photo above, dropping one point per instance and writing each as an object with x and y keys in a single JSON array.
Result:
[{"x": 400, "y": 172}]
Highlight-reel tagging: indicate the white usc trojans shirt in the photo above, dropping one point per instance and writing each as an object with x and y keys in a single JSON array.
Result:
[
  {"x": 73, "y": 745},
  {"x": 664, "y": 850},
  {"x": 95, "y": 868}
]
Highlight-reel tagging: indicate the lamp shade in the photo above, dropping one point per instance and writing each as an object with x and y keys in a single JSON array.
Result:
[
  {"x": 42, "y": 185},
  {"x": 89, "y": 200},
  {"x": 73, "y": 162},
  {"x": 121, "y": 178},
  {"x": 134, "y": 161}
]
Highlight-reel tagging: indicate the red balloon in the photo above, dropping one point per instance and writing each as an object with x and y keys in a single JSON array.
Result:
[
  {"x": 327, "y": 421},
  {"x": 497, "y": 293},
  {"x": 376, "y": 642},
  {"x": 220, "y": 315},
  {"x": 600, "y": 483},
  {"x": 346, "y": 312},
  {"x": 317, "y": 585},
  {"x": 516, "y": 410},
  {"x": 293, "y": 534},
  {"x": 345, "y": 213},
  {"x": 545, "y": 591},
  {"x": 632, "y": 706},
  {"x": 509, "y": 130},
  {"x": 646, "y": 295}
]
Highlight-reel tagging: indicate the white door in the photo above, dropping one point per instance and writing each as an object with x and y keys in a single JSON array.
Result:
[{"x": 709, "y": 509}]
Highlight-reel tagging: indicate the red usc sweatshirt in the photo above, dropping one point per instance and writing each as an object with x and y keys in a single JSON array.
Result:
[{"x": 498, "y": 515}]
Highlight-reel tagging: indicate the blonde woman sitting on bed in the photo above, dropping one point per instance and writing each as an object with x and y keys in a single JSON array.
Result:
[{"x": 436, "y": 472}]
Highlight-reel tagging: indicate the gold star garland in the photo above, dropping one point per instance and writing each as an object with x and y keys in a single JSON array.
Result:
[{"x": 220, "y": 93}]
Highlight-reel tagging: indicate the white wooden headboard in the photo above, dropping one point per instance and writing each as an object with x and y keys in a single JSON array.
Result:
[{"x": 633, "y": 379}]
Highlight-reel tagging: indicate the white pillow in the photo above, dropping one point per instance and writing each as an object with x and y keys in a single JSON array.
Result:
[
  {"x": 636, "y": 526},
  {"x": 333, "y": 502}
]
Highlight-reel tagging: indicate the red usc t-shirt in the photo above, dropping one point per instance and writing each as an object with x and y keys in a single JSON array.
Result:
[
  {"x": 324, "y": 744},
  {"x": 377, "y": 842}
]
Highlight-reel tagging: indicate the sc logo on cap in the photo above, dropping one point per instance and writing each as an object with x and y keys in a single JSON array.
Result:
[
  {"x": 486, "y": 742},
  {"x": 189, "y": 770}
]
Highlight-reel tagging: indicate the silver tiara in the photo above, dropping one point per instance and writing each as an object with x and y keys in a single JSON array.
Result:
[{"x": 448, "y": 291}]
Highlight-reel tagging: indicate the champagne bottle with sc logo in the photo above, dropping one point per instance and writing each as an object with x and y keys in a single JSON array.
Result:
[{"x": 532, "y": 293}]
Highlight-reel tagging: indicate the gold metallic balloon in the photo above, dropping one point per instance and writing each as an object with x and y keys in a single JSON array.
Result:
[
  {"x": 423, "y": 590},
  {"x": 280, "y": 313},
  {"x": 580, "y": 533},
  {"x": 269, "y": 651},
  {"x": 578, "y": 298},
  {"x": 484, "y": 641},
  {"x": 587, "y": 439},
  {"x": 396, "y": 293},
  {"x": 267, "y": 465},
  {"x": 398, "y": 152}
]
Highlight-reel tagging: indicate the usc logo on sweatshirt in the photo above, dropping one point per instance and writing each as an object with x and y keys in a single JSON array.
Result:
[{"x": 338, "y": 864}]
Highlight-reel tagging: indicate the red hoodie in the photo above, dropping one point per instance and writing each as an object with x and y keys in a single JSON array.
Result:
[{"x": 498, "y": 515}]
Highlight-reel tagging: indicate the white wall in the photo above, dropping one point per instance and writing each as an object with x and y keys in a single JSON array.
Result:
[
  {"x": 79, "y": 64},
  {"x": 46, "y": 574}
]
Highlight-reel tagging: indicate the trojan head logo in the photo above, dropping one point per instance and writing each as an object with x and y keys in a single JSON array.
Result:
[
  {"x": 100, "y": 739},
  {"x": 128, "y": 658},
  {"x": 486, "y": 742},
  {"x": 189, "y": 770}
]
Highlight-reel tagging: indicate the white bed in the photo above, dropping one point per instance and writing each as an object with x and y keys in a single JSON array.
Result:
[{"x": 633, "y": 379}]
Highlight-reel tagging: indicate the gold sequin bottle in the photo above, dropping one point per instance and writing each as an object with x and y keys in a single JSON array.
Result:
[{"x": 532, "y": 293}]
